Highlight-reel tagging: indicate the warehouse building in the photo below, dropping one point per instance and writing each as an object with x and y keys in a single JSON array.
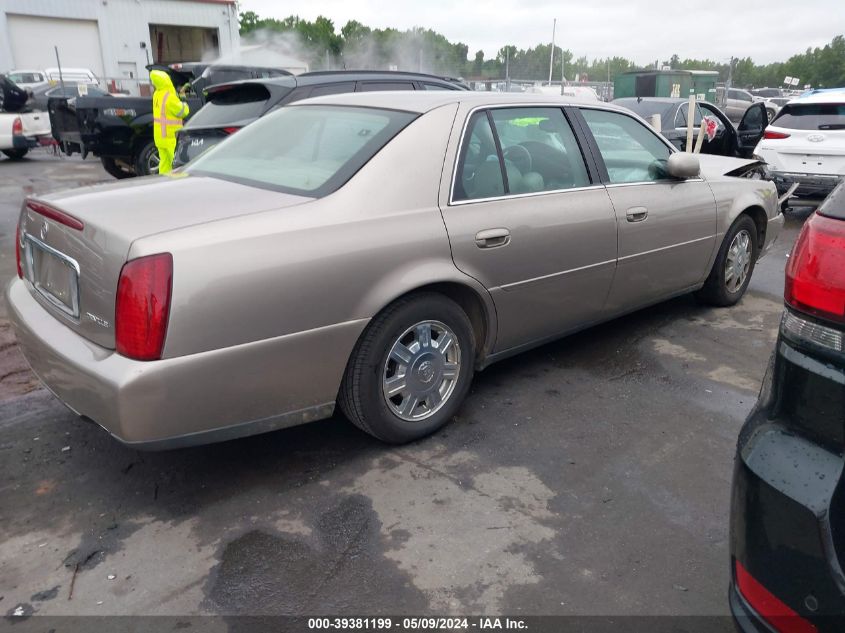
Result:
[{"x": 115, "y": 38}]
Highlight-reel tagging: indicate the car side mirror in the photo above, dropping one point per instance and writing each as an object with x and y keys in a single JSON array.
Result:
[{"x": 683, "y": 166}]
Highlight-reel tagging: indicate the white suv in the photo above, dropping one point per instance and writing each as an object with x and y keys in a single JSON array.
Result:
[{"x": 805, "y": 144}]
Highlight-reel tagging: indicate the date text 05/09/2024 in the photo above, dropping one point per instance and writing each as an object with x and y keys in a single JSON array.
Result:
[{"x": 416, "y": 624}]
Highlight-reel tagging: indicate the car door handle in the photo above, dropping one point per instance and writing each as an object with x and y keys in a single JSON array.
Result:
[
  {"x": 491, "y": 238},
  {"x": 636, "y": 214}
]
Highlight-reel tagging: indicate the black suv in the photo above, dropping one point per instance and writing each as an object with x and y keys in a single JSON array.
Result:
[
  {"x": 231, "y": 106},
  {"x": 788, "y": 507}
]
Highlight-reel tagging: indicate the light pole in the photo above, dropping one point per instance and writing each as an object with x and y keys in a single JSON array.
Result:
[{"x": 552, "y": 56}]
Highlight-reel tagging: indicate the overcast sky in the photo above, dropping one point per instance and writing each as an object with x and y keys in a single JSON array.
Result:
[{"x": 767, "y": 31}]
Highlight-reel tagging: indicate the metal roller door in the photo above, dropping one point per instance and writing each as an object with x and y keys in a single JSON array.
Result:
[{"x": 33, "y": 38}]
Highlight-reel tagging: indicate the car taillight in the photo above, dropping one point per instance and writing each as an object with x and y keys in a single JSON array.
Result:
[
  {"x": 18, "y": 250},
  {"x": 771, "y": 608},
  {"x": 17, "y": 127},
  {"x": 815, "y": 273},
  {"x": 231, "y": 130},
  {"x": 771, "y": 135},
  {"x": 143, "y": 306},
  {"x": 54, "y": 214}
]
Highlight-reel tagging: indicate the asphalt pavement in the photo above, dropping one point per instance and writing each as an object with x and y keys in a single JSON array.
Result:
[{"x": 590, "y": 476}]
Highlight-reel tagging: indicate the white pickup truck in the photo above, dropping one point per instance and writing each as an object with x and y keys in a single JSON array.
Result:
[{"x": 20, "y": 131}]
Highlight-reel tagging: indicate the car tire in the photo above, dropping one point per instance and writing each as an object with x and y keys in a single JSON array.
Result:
[
  {"x": 16, "y": 154},
  {"x": 146, "y": 161},
  {"x": 770, "y": 115},
  {"x": 734, "y": 265},
  {"x": 111, "y": 166},
  {"x": 401, "y": 347}
]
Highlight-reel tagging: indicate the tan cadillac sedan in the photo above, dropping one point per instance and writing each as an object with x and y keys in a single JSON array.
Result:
[{"x": 370, "y": 251}]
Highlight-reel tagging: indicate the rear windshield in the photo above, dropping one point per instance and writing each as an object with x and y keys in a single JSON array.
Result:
[
  {"x": 812, "y": 116},
  {"x": 237, "y": 105},
  {"x": 26, "y": 78},
  {"x": 305, "y": 150}
]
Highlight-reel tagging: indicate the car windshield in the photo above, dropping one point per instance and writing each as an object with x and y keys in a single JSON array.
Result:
[
  {"x": 812, "y": 116},
  {"x": 304, "y": 150}
]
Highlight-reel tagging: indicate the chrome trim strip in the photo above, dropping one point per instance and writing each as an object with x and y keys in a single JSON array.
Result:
[
  {"x": 504, "y": 106},
  {"x": 666, "y": 248},
  {"x": 616, "y": 185},
  {"x": 516, "y": 284},
  {"x": 71, "y": 263},
  {"x": 514, "y": 196}
]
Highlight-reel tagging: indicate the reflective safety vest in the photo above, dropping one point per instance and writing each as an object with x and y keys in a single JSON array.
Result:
[{"x": 168, "y": 112}]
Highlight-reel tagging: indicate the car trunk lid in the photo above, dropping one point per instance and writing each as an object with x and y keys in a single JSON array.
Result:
[{"x": 74, "y": 244}]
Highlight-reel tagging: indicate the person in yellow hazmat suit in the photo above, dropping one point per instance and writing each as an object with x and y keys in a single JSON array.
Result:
[{"x": 168, "y": 113}]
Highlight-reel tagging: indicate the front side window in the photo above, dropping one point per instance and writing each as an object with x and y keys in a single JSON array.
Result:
[
  {"x": 681, "y": 115},
  {"x": 630, "y": 150},
  {"x": 304, "y": 150},
  {"x": 378, "y": 86}
]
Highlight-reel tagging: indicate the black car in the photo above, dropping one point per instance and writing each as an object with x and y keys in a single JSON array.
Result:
[
  {"x": 71, "y": 90},
  {"x": 13, "y": 98},
  {"x": 230, "y": 106},
  {"x": 119, "y": 130},
  {"x": 733, "y": 141},
  {"x": 788, "y": 506}
]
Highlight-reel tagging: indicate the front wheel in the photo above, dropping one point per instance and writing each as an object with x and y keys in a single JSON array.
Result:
[
  {"x": 734, "y": 265},
  {"x": 16, "y": 154},
  {"x": 410, "y": 370}
]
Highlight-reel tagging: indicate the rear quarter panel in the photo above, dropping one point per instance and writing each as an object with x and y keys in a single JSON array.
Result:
[{"x": 335, "y": 260}]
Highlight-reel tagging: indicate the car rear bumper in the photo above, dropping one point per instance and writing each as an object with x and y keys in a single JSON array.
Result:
[
  {"x": 787, "y": 505},
  {"x": 195, "y": 399},
  {"x": 810, "y": 186}
]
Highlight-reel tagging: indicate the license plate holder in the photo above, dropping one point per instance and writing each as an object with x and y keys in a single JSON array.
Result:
[{"x": 54, "y": 275}]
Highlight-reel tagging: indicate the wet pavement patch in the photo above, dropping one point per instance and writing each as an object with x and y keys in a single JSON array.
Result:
[
  {"x": 48, "y": 594},
  {"x": 336, "y": 569}
]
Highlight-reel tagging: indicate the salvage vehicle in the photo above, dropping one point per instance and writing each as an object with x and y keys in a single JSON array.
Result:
[
  {"x": 371, "y": 250},
  {"x": 805, "y": 146},
  {"x": 738, "y": 101},
  {"x": 788, "y": 507},
  {"x": 121, "y": 133},
  {"x": 40, "y": 97},
  {"x": 728, "y": 140},
  {"x": 20, "y": 129},
  {"x": 231, "y": 106},
  {"x": 29, "y": 79}
]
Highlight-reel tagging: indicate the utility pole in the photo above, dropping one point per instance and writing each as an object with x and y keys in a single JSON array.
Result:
[
  {"x": 552, "y": 56},
  {"x": 507, "y": 68}
]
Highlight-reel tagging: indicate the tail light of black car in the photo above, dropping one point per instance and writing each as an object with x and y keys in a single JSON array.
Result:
[
  {"x": 142, "y": 310},
  {"x": 815, "y": 281}
]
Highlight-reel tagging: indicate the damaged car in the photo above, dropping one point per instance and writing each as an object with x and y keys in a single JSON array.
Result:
[{"x": 367, "y": 251}]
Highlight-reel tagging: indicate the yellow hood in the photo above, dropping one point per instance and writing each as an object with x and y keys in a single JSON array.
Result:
[{"x": 161, "y": 80}]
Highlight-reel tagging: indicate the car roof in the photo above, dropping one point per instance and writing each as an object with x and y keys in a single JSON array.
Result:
[
  {"x": 421, "y": 101},
  {"x": 666, "y": 100},
  {"x": 359, "y": 75},
  {"x": 828, "y": 95}
]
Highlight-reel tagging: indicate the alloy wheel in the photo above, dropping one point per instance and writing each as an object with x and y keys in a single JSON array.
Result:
[
  {"x": 421, "y": 370},
  {"x": 738, "y": 261}
]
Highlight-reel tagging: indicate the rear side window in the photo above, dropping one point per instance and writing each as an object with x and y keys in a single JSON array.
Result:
[
  {"x": 428, "y": 86},
  {"x": 536, "y": 152},
  {"x": 235, "y": 105},
  {"x": 374, "y": 86},
  {"x": 630, "y": 150},
  {"x": 812, "y": 116},
  {"x": 304, "y": 150},
  {"x": 332, "y": 89}
]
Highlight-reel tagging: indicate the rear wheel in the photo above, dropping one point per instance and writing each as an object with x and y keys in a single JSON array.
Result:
[
  {"x": 147, "y": 160},
  {"x": 111, "y": 166},
  {"x": 734, "y": 265},
  {"x": 16, "y": 154},
  {"x": 410, "y": 370}
]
